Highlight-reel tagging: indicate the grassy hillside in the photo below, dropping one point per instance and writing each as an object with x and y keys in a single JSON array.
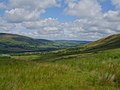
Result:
[
  {"x": 109, "y": 42},
  {"x": 17, "y": 43},
  {"x": 67, "y": 69},
  {"x": 70, "y": 43},
  {"x": 47, "y": 71},
  {"x": 11, "y": 43}
]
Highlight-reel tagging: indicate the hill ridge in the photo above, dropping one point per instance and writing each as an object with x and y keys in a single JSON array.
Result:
[
  {"x": 110, "y": 42},
  {"x": 12, "y": 43}
]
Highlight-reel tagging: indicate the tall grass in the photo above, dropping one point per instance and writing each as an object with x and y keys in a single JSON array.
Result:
[{"x": 90, "y": 71}]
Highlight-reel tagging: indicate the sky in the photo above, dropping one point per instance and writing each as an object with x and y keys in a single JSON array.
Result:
[{"x": 60, "y": 19}]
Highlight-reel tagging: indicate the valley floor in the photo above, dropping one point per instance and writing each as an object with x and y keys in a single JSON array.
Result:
[{"x": 50, "y": 71}]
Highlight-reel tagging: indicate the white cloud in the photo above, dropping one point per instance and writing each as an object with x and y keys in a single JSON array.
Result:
[
  {"x": 4, "y": 26},
  {"x": 41, "y": 23},
  {"x": 2, "y": 6},
  {"x": 30, "y": 4},
  {"x": 112, "y": 16},
  {"x": 116, "y": 3},
  {"x": 18, "y": 15},
  {"x": 83, "y": 8},
  {"x": 26, "y": 10},
  {"x": 23, "y": 17}
]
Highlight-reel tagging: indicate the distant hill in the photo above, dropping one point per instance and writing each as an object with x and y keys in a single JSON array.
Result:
[
  {"x": 110, "y": 42},
  {"x": 70, "y": 43},
  {"x": 10, "y": 43},
  {"x": 18, "y": 43}
]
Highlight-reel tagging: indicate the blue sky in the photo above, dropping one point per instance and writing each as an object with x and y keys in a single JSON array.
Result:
[
  {"x": 60, "y": 19},
  {"x": 58, "y": 12},
  {"x": 107, "y": 5}
]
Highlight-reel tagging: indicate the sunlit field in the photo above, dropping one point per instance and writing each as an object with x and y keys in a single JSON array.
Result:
[{"x": 38, "y": 71}]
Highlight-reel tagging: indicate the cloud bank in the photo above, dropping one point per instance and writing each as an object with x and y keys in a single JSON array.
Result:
[{"x": 25, "y": 17}]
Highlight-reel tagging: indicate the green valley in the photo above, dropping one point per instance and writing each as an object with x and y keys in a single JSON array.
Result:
[
  {"x": 66, "y": 69},
  {"x": 12, "y": 43}
]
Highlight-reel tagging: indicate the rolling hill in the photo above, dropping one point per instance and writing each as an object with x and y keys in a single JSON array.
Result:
[
  {"x": 63, "y": 70},
  {"x": 18, "y": 43},
  {"x": 70, "y": 43},
  {"x": 66, "y": 69},
  {"x": 110, "y": 42},
  {"x": 12, "y": 43}
]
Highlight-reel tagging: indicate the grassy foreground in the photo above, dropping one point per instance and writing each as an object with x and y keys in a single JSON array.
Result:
[{"x": 90, "y": 71}]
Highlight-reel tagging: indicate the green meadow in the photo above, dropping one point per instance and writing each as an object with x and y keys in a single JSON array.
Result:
[{"x": 56, "y": 71}]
